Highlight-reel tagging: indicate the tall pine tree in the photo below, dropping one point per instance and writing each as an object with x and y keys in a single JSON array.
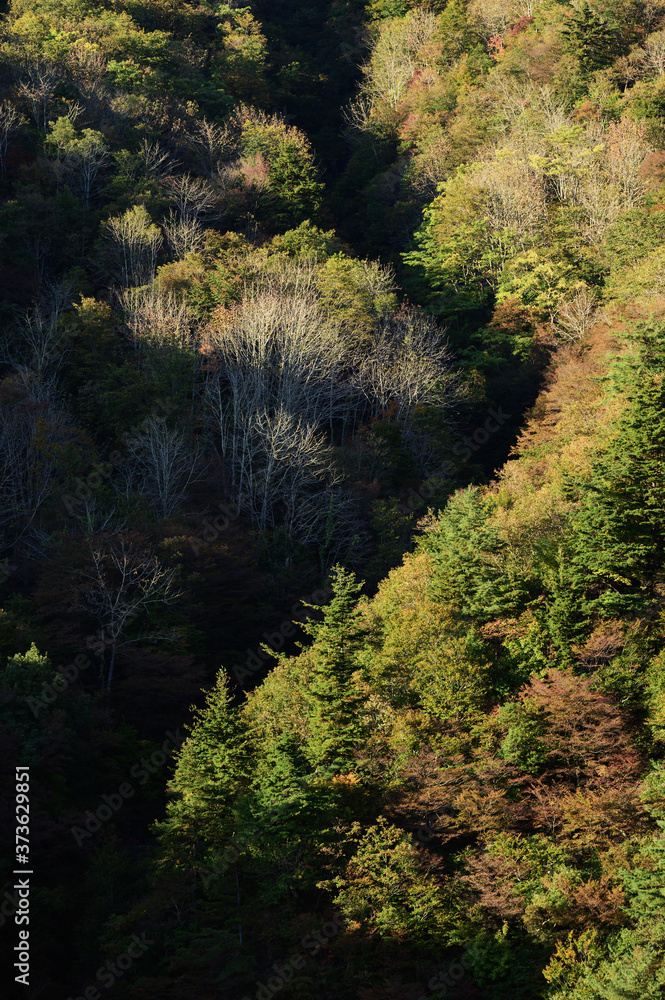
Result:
[
  {"x": 618, "y": 547},
  {"x": 472, "y": 573},
  {"x": 334, "y": 699},
  {"x": 588, "y": 36},
  {"x": 213, "y": 765}
]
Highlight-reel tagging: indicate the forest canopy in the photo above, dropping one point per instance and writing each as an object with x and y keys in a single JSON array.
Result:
[{"x": 332, "y": 497}]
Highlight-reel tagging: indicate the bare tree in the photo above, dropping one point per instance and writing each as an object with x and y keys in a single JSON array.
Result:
[
  {"x": 575, "y": 316},
  {"x": 36, "y": 349},
  {"x": 431, "y": 164},
  {"x": 88, "y": 68},
  {"x": 157, "y": 162},
  {"x": 358, "y": 116},
  {"x": 38, "y": 87},
  {"x": 281, "y": 350},
  {"x": 134, "y": 243},
  {"x": 594, "y": 167},
  {"x": 279, "y": 276},
  {"x": 183, "y": 236},
  {"x": 121, "y": 582},
  {"x": 278, "y": 383},
  {"x": 550, "y": 107},
  {"x": 166, "y": 334},
  {"x": 400, "y": 49},
  {"x": 33, "y": 428},
  {"x": 89, "y": 157},
  {"x": 525, "y": 8},
  {"x": 601, "y": 198},
  {"x": 249, "y": 175},
  {"x": 514, "y": 200},
  {"x": 11, "y": 121},
  {"x": 654, "y": 53},
  {"x": 161, "y": 465},
  {"x": 195, "y": 198},
  {"x": 652, "y": 14},
  {"x": 31, "y": 437},
  {"x": 410, "y": 365},
  {"x": 74, "y": 110},
  {"x": 549, "y": 144},
  {"x": 94, "y": 519},
  {"x": 627, "y": 146},
  {"x": 378, "y": 280},
  {"x": 213, "y": 145},
  {"x": 492, "y": 16},
  {"x": 284, "y": 378},
  {"x": 158, "y": 317},
  {"x": 37, "y": 249},
  {"x": 287, "y": 456},
  {"x": 287, "y": 476},
  {"x": 512, "y": 98}
]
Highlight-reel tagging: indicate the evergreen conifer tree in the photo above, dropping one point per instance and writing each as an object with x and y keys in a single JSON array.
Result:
[
  {"x": 565, "y": 618},
  {"x": 619, "y": 531},
  {"x": 212, "y": 767},
  {"x": 589, "y": 37},
  {"x": 335, "y": 703},
  {"x": 468, "y": 555},
  {"x": 281, "y": 793}
]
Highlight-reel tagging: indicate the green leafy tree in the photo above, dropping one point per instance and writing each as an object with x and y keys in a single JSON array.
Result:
[
  {"x": 456, "y": 30},
  {"x": 132, "y": 243},
  {"x": 23, "y": 681},
  {"x": 385, "y": 888},
  {"x": 358, "y": 293},
  {"x": 79, "y": 155},
  {"x": 452, "y": 267},
  {"x": 241, "y": 64},
  {"x": 298, "y": 814},
  {"x": 566, "y": 617},
  {"x": 539, "y": 278},
  {"x": 26, "y": 673},
  {"x": 293, "y": 192},
  {"x": 308, "y": 241}
]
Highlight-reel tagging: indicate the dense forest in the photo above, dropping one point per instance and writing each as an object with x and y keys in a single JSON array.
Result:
[{"x": 332, "y": 499}]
